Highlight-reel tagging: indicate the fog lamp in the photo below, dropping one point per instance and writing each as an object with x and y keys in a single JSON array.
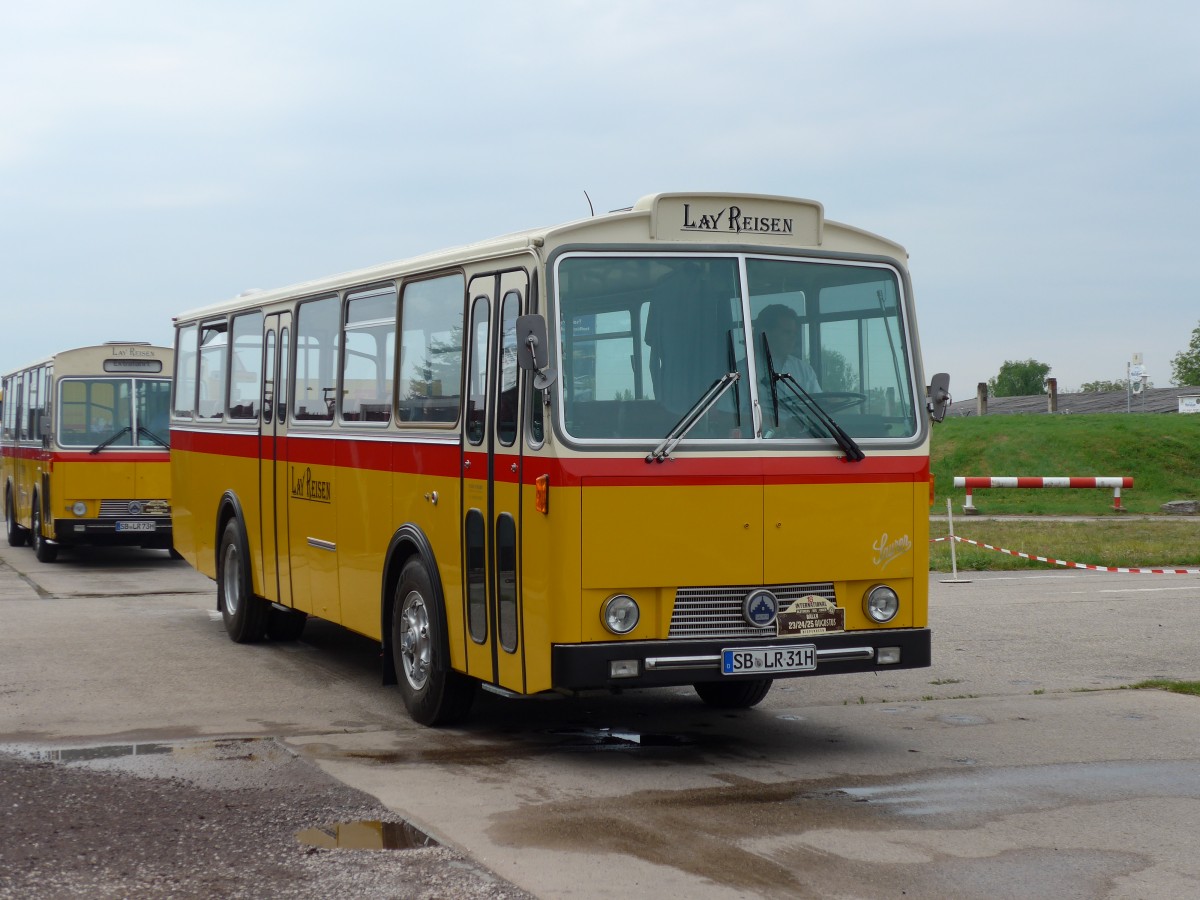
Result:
[
  {"x": 887, "y": 656},
  {"x": 882, "y": 603},
  {"x": 622, "y": 668},
  {"x": 80, "y": 508},
  {"x": 620, "y": 614}
]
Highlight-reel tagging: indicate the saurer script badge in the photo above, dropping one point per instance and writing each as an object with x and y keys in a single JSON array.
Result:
[
  {"x": 811, "y": 615},
  {"x": 886, "y": 550}
]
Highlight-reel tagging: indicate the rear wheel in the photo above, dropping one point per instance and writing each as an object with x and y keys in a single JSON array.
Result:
[
  {"x": 733, "y": 694},
  {"x": 17, "y": 536},
  {"x": 433, "y": 694},
  {"x": 44, "y": 550},
  {"x": 245, "y": 615}
]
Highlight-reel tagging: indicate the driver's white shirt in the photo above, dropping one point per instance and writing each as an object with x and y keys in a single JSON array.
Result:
[{"x": 802, "y": 372}]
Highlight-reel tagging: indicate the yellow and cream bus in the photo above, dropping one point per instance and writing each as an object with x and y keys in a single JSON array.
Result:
[
  {"x": 682, "y": 443},
  {"x": 85, "y": 449}
]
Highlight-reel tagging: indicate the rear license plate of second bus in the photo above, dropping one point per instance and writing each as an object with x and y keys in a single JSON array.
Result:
[
  {"x": 137, "y": 526},
  {"x": 749, "y": 661}
]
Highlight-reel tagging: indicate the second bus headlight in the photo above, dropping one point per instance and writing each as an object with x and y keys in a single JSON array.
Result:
[
  {"x": 80, "y": 508},
  {"x": 882, "y": 603},
  {"x": 620, "y": 614}
]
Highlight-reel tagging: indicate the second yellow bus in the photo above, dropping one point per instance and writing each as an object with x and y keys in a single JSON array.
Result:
[{"x": 86, "y": 454}]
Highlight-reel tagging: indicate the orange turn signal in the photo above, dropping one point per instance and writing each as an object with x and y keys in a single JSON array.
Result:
[{"x": 541, "y": 494}]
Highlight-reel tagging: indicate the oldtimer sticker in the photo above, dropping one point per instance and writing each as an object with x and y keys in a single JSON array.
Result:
[{"x": 811, "y": 615}]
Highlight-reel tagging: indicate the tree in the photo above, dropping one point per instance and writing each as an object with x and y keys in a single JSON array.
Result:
[
  {"x": 1100, "y": 387},
  {"x": 1019, "y": 379},
  {"x": 1185, "y": 367}
]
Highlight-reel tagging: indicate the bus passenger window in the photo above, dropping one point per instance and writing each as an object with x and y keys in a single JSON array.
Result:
[
  {"x": 213, "y": 361},
  {"x": 185, "y": 372},
  {"x": 431, "y": 325},
  {"x": 245, "y": 381},
  {"x": 370, "y": 355},
  {"x": 316, "y": 359}
]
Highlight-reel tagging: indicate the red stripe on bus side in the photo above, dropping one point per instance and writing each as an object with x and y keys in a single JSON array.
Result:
[
  {"x": 444, "y": 461},
  {"x": 346, "y": 452},
  {"x": 723, "y": 470},
  {"x": 86, "y": 456}
]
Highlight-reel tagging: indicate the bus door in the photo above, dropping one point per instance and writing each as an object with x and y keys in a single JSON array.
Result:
[
  {"x": 272, "y": 481},
  {"x": 491, "y": 494}
]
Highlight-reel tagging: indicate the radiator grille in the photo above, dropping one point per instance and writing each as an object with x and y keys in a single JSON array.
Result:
[
  {"x": 120, "y": 509},
  {"x": 716, "y": 612}
]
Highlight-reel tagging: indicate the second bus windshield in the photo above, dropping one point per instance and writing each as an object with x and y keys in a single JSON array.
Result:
[
  {"x": 120, "y": 411},
  {"x": 642, "y": 338}
]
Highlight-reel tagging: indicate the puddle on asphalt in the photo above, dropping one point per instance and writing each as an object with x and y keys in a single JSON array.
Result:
[
  {"x": 371, "y": 834},
  {"x": 221, "y": 749},
  {"x": 617, "y": 739},
  {"x": 990, "y": 792},
  {"x": 87, "y": 754}
]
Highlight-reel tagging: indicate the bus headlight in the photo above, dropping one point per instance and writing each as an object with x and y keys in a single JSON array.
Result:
[
  {"x": 80, "y": 508},
  {"x": 882, "y": 603},
  {"x": 620, "y": 614}
]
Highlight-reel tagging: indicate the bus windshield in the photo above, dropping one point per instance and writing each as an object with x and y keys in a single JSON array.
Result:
[
  {"x": 643, "y": 338},
  {"x": 114, "y": 412}
]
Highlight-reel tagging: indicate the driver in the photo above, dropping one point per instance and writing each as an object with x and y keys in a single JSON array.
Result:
[{"x": 781, "y": 326}]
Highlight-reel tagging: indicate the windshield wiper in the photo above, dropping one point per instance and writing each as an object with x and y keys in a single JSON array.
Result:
[
  {"x": 812, "y": 409},
  {"x": 111, "y": 439},
  {"x": 689, "y": 419},
  {"x": 143, "y": 430}
]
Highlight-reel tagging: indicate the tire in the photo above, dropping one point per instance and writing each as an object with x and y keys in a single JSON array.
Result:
[
  {"x": 433, "y": 694},
  {"x": 44, "y": 550},
  {"x": 733, "y": 694},
  {"x": 245, "y": 615},
  {"x": 285, "y": 625},
  {"x": 17, "y": 536}
]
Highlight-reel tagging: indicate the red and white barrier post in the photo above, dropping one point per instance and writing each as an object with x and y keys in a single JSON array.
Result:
[{"x": 972, "y": 483}]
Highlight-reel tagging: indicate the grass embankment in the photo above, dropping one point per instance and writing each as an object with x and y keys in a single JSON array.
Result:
[{"x": 1160, "y": 452}]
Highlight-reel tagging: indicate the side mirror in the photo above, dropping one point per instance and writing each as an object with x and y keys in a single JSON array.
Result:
[
  {"x": 939, "y": 399},
  {"x": 533, "y": 350},
  {"x": 531, "y": 342}
]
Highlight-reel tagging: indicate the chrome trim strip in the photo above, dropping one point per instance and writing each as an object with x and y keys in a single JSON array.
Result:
[
  {"x": 659, "y": 663},
  {"x": 844, "y": 654},
  {"x": 322, "y": 545}
]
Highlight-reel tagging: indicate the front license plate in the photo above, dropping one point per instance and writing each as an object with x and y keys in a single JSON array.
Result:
[
  {"x": 137, "y": 526},
  {"x": 768, "y": 659}
]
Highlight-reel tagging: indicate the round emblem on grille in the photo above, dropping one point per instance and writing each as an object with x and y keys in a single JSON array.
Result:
[
  {"x": 760, "y": 608},
  {"x": 135, "y": 507}
]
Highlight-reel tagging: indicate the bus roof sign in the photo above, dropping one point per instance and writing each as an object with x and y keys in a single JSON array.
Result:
[
  {"x": 133, "y": 365},
  {"x": 736, "y": 218}
]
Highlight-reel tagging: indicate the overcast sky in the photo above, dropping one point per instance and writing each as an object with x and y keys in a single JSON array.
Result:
[{"x": 1038, "y": 160}]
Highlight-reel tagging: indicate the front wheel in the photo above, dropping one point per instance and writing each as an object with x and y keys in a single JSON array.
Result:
[
  {"x": 244, "y": 614},
  {"x": 44, "y": 550},
  {"x": 733, "y": 694},
  {"x": 433, "y": 694},
  {"x": 17, "y": 536}
]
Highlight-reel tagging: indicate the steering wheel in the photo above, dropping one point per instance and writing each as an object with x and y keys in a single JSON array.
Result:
[{"x": 833, "y": 401}]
